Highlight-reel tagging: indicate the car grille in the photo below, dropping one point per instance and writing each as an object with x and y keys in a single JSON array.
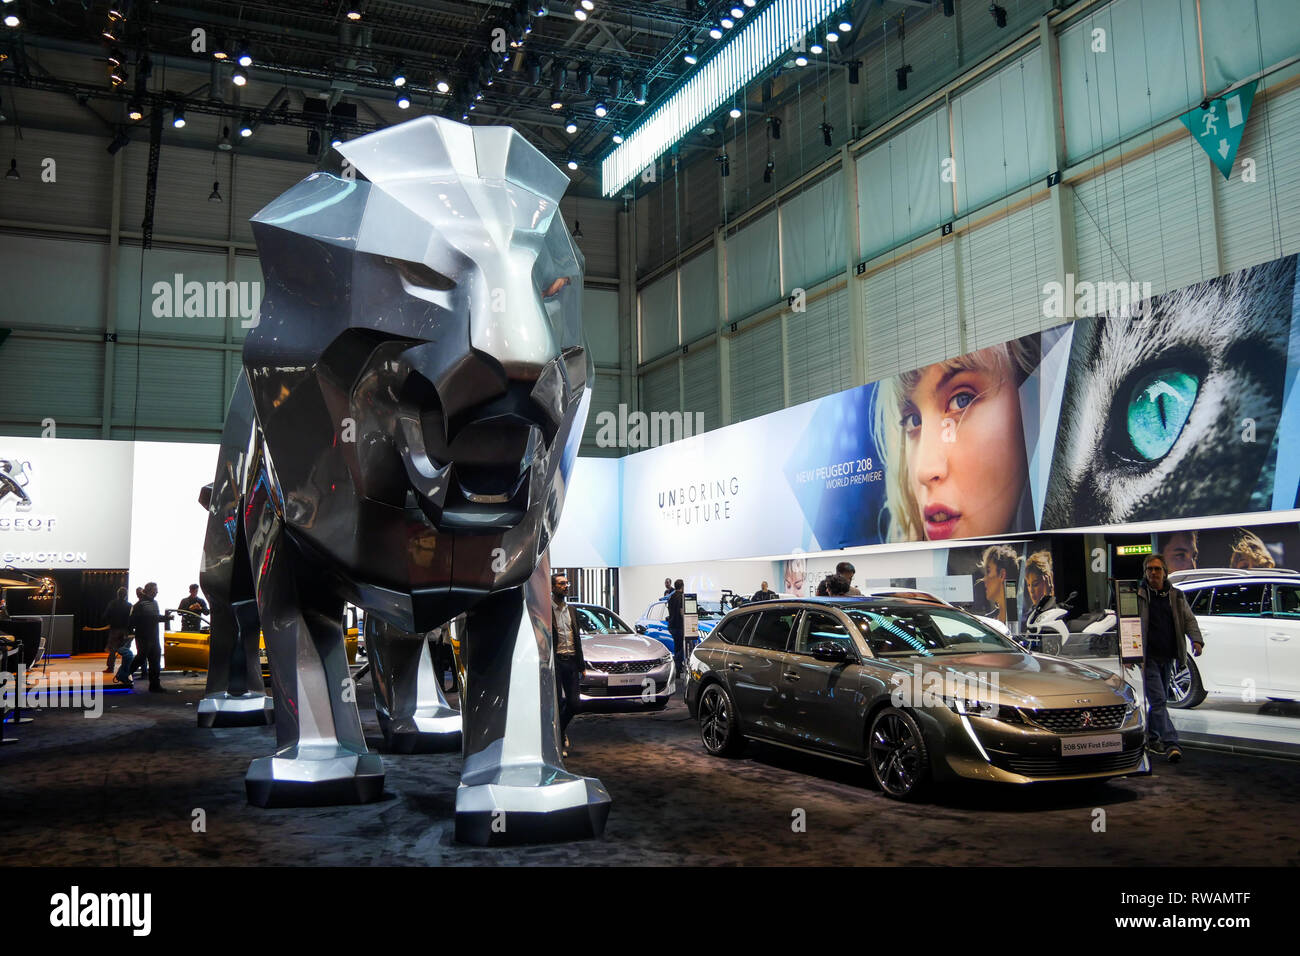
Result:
[
  {"x": 1069, "y": 766},
  {"x": 1068, "y": 720},
  {"x": 626, "y": 667}
]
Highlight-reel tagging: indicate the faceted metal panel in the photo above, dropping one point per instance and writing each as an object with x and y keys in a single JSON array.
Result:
[{"x": 413, "y": 399}]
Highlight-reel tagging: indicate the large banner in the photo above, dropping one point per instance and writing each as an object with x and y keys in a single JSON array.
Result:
[{"x": 1182, "y": 406}]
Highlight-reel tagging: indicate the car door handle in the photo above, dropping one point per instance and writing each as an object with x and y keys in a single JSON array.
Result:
[
  {"x": 1275, "y": 636},
  {"x": 733, "y": 665},
  {"x": 790, "y": 675}
]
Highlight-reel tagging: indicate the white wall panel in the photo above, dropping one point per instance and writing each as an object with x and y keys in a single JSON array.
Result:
[
  {"x": 1147, "y": 221},
  {"x": 1148, "y": 71},
  {"x": 911, "y": 312},
  {"x": 699, "y": 277},
  {"x": 700, "y": 384},
  {"x": 1003, "y": 140},
  {"x": 753, "y": 275},
  {"x": 658, "y": 304},
  {"x": 1005, "y": 265},
  {"x": 756, "y": 387},
  {"x": 901, "y": 193},
  {"x": 600, "y": 323},
  {"x": 812, "y": 234},
  {"x": 1260, "y": 221},
  {"x": 53, "y": 282},
  {"x": 820, "y": 359}
]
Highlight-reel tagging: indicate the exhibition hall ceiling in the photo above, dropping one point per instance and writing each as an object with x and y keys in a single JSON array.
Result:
[{"x": 332, "y": 68}]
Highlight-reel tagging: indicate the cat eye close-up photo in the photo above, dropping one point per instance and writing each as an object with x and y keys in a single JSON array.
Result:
[{"x": 1175, "y": 413}]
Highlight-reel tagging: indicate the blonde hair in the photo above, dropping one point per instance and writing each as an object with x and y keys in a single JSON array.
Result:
[
  {"x": 1013, "y": 361},
  {"x": 1251, "y": 547},
  {"x": 1040, "y": 563}
]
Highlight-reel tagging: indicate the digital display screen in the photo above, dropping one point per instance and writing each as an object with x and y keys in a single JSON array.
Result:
[{"x": 1131, "y": 550}]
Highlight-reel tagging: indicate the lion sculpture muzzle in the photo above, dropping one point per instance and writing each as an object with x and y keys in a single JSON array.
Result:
[{"x": 413, "y": 396}]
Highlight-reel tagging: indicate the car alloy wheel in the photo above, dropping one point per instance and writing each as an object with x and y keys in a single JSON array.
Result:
[
  {"x": 717, "y": 722},
  {"x": 1185, "y": 689},
  {"x": 897, "y": 752}
]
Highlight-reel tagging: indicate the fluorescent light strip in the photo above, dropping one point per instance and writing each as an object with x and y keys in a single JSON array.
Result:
[{"x": 754, "y": 46}]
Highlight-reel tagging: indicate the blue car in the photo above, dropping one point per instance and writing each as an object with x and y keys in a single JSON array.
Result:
[{"x": 654, "y": 622}]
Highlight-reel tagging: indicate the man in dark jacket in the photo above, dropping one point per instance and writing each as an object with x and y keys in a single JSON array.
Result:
[
  {"x": 677, "y": 621},
  {"x": 764, "y": 594},
  {"x": 566, "y": 640},
  {"x": 118, "y": 618},
  {"x": 145, "y": 618},
  {"x": 195, "y": 605},
  {"x": 1167, "y": 624},
  {"x": 847, "y": 570}
]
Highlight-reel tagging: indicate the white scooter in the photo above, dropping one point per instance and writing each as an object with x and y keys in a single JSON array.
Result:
[{"x": 1093, "y": 634}]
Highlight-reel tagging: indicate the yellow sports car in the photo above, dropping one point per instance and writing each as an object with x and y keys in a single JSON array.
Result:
[{"x": 188, "y": 650}]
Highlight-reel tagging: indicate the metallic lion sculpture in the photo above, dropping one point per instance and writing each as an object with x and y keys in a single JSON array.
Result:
[{"x": 411, "y": 406}]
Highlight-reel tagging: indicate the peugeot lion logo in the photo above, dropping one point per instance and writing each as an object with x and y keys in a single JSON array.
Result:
[
  {"x": 1085, "y": 719},
  {"x": 14, "y": 476}
]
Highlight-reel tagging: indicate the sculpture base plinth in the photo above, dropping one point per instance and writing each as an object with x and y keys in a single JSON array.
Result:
[
  {"x": 495, "y": 814},
  {"x": 225, "y": 710},
  {"x": 422, "y": 733},
  {"x": 347, "y": 778}
]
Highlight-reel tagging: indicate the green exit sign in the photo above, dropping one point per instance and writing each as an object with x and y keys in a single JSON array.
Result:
[{"x": 1131, "y": 550}]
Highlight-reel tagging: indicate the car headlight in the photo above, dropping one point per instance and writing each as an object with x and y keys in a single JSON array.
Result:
[
  {"x": 970, "y": 707},
  {"x": 1122, "y": 687}
]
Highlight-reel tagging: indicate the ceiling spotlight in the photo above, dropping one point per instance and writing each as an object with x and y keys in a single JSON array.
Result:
[
  {"x": 826, "y": 133},
  {"x": 219, "y": 51},
  {"x": 215, "y": 195},
  {"x": 109, "y": 34},
  {"x": 117, "y": 10},
  {"x": 580, "y": 14},
  {"x": 584, "y": 79},
  {"x": 999, "y": 14},
  {"x": 724, "y": 162},
  {"x": 617, "y": 138},
  {"x": 832, "y": 36},
  {"x": 178, "y": 118},
  {"x": 902, "y": 72},
  {"x": 602, "y": 109},
  {"x": 845, "y": 26},
  {"x": 769, "y": 169},
  {"x": 117, "y": 76},
  {"x": 245, "y": 128},
  {"x": 800, "y": 60},
  {"x": 715, "y": 32},
  {"x": 750, "y": 3},
  {"x": 244, "y": 57},
  {"x": 335, "y": 140},
  {"x": 774, "y": 124},
  {"x": 13, "y": 170},
  {"x": 403, "y": 101},
  {"x": 442, "y": 86},
  {"x": 816, "y": 49},
  {"x": 399, "y": 77},
  {"x": 734, "y": 112},
  {"x": 727, "y": 22},
  {"x": 642, "y": 93},
  {"x": 570, "y": 125},
  {"x": 690, "y": 56},
  {"x": 115, "y": 57},
  {"x": 533, "y": 68},
  {"x": 239, "y": 78},
  {"x": 737, "y": 11},
  {"x": 354, "y": 11},
  {"x": 224, "y": 143},
  {"x": 120, "y": 139},
  {"x": 615, "y": 83},
  {"x": 572, "y": 163},
  {"x": 134, "y": 111},
  {"x": 313, "y": 142},
  {"x": 588, "y": 5}
]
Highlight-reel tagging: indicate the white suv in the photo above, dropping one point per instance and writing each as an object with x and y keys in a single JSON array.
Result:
[{"x": 1251, "y": 623}]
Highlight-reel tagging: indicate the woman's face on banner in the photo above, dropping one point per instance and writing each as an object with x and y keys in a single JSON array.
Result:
[
  {"x": 1036, "y": 586},
  {"x": 965, "y": 451}
]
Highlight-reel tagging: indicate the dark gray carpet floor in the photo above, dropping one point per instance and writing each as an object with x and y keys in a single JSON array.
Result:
[{"x": 121, "y": 790}]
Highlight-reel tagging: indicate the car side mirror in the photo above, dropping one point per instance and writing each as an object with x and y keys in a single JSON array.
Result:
[
  {"x": 640, "y": 628},
  {"x": 830, "y": 652}
]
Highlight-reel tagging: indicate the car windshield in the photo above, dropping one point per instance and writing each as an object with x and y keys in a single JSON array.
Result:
[
  {"x": 926, "y": 632},
  {"x": 599, "y": 620}
]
